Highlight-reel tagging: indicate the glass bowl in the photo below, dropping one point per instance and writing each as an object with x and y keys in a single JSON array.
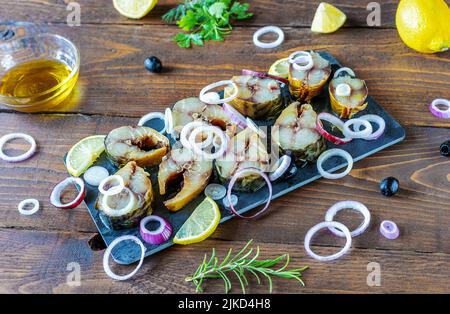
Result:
[{"x": 21, "y": 50}]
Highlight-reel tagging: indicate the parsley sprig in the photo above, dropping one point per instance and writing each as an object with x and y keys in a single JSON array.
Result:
[
  {"x": 204, "y": 20},
  {"x": 241, "y": 265}
]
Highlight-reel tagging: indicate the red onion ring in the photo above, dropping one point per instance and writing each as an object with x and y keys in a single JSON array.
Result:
[
  {"x": 28, "y": 212},
  {"x": 434, "y": 109},
  {"x": 233, "y": 180},
  {"x": 55, "y": 196},
  {"x": 158, "y": 236},
  {"x": 284, "y": 163},
  {"x": 264, "y": 75},
  {"x": 108, "y": 251},
  {"x": 335, "y": 121},
  {"x": 375, "y": 119},
  {"x": 8, "y": 137},
  {"x": 235, "y": 115},
  {"x": 389, "y": 230}
]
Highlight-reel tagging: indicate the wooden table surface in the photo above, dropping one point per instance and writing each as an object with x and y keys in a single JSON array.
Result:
[{"x": 114, "y": 89}]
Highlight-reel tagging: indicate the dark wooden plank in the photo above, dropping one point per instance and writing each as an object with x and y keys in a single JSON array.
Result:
[
  {"x": 43, "y": 258},
  {"x": 113, "y": 75},
  {"x": 279, "y": 12},
  {"x": 419, "y": 208}
]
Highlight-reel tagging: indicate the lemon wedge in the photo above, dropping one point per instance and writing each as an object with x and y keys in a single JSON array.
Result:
[
  {"x": 327, "y": 19},
  {"x": 280, "y": 68},
  {"x": 200, "y": 225},
  {"x": 83, "y": 154},
  {"x": 134, "y": 9}
]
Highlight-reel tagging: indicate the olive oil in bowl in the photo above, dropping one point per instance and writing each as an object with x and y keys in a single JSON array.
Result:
[{"x": 38, "y": 84}]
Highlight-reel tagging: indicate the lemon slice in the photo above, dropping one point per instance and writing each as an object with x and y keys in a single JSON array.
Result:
[
  {"x": 327, "y": 19},
  {"x": 83, "y": 154},
  {"x": 280, "y": 68},
  {"x": 200, "y": 225},
  {"x": 134, "y": 9}
]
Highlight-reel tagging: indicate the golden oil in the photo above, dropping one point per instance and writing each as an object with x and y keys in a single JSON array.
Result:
[{"x": 36, "y": 84}]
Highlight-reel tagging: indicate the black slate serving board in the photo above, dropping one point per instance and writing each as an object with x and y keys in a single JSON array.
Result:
[{"x": 128, "y": 252}]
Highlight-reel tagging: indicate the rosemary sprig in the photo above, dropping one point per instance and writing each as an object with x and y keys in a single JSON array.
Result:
[{"x": 241, "y": 264}]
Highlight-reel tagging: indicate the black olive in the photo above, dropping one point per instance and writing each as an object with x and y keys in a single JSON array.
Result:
[
  {"x": 445, "y": 148},
  {"x": 153, "y": 64},
  {"x": 389, "y": 186},
  {"x": 7, "y": 34}
]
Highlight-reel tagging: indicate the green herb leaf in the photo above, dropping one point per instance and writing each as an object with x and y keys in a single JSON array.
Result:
[
  {"x": 188, "y": 21},
  {"x": 240, "y": 11},
  {"x": 217, "y": 9},
  {"x": 184, "y": 40}
]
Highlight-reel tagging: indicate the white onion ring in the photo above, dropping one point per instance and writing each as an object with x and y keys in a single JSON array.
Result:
[
  {"x": 152, "y": 116},
  {"x": 158, "y": 236},
  {"x": 334, "y": 152},
  {"x": 212, "y": 96},
  {"x": 132, "y": 201},
  {"x": 114, "y": 189},
  {"x": 205, "y": 143},
  {"x": 357, "y": 134},
  {"x": 305, "y": 57},
  {"x": 215, "y": 85},
  {"x": 252, "y": 126},
  {"x": 28, "y": 212},
  {"x": 357, "y": 206},
  {"x": 328, "y": 224},
  {"x": 435, "y": 110},
  {"x": 284, "y": 163},
  {"x": 235, "y": 115},
  {"x": 265, "y": 30},
  {"x": 108, "y": 251},
  {"x": 168, "y": 122},
  {"x": 343, "y": 90},
  {"x": 344, "y": 69},
  {"x": 215, "y": 131},
  {"x": 233, "y": 180},
  {"x": 335, "y": 121},
  {"x": 55, "y": 196},
  {"x": 375, "y": 119},
  {"x": 8, "y": 137},
  {"x": 187, "y": 131},
  {"x": 95, "y": 175}
]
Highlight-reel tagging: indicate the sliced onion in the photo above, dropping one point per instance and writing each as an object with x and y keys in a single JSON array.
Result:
[
  {"x": 264, "y": 75},
  {"x": 113, "y": 190},
  {"x": 375, "y": 119},
  {"x": 212, "y": 96},
  {"x": 216, "y": 132},
  {"x": 301, "y": 60},
  {"x": 187, "y": 131},
  {"x": 344, "y": 69},
  {"x": 357, "y": 206},
  {"x": 283, "y": 165},
  {"x": 109, "y": 249},
  {"x": 435, "y": 110},
  {"x": 343, "y": 90},
  {"x": 389, "y": 230},
  {"x": 215, "y": 85},
  {"x": 215, "y": 191},
  {"x": 235, "y": 115},
  {"x": 366, "y": 132},
  {"x": 12, "y": 136},
  {"x": 192, "y": 140},
  {"x": 330, "y": 153},
  {"x": 237, "y": 175},
  {"x": 252, "y": 126},
  {"x": 152, "y": 116},
  {"x": 328, "y": 224},
  {"x": 168, "y": 122},
  {"x": 31, "y": 211},
  {"x": 95, "y": 175},
  {"x": 334, "y": 121},
  {"x": 114, "y": 212},
  {"x": 265, "y": 30},
  {"x": 158, "y": 236},
  {"x": 55, "y": 196}
]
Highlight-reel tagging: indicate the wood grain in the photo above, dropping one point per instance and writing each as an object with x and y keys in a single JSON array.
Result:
[
  {"x": 422, "y": 203},
  {"x": 113, "y": 75},
  {"x": 44, "y": 257},
  {"x": 294, "y": 13}
]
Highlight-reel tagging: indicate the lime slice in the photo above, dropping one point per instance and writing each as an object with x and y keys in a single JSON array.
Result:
[
  {"x": 200, "y": 225},
  {"x": 327, "y": 19},
  {"x": 134, "y": 9},
  {"x": 83, "y": 154},
  {"x": 280, "y": 68}
]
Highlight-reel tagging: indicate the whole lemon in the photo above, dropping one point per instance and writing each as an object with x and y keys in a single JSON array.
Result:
[{"x": 424, "y": 25}]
